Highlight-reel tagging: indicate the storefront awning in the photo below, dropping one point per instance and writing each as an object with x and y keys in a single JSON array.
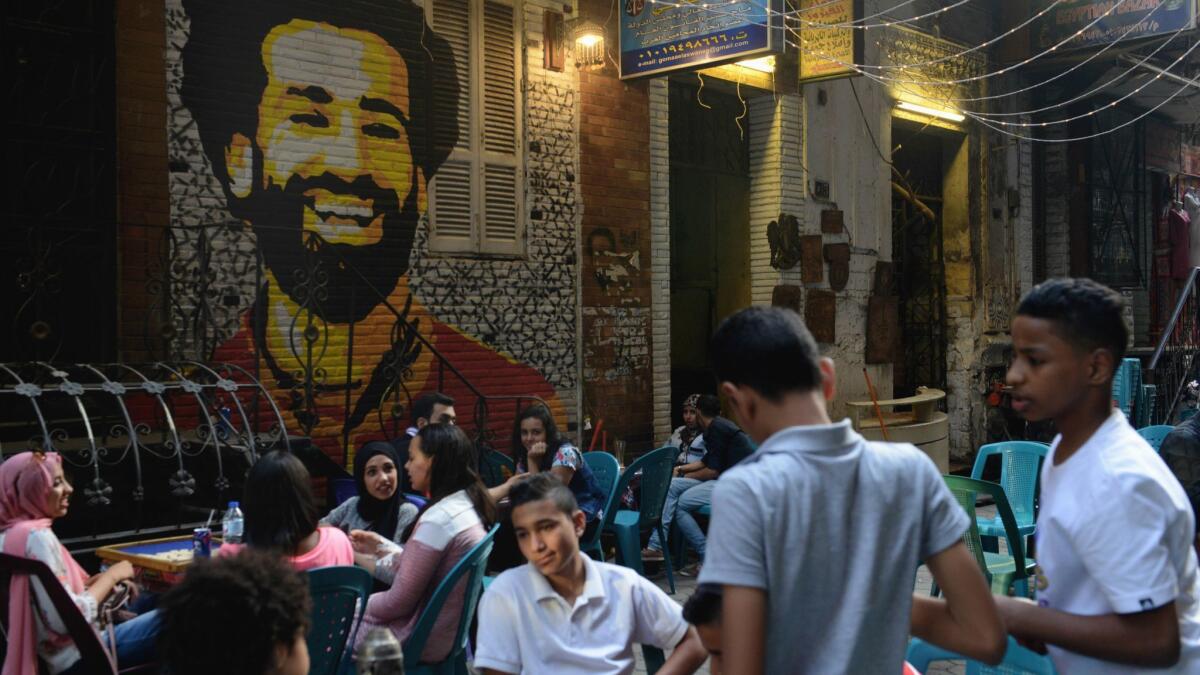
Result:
[{"x": 1157, "y": 85}]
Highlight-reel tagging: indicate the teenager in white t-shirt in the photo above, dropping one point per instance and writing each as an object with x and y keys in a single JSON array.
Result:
[
  {"x": 565, "y": 614},
  {"x": 1117, "y": 580}
]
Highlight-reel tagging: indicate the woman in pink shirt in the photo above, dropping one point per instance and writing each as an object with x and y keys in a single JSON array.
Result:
[
  {"x": 281, "y": 516},
  {"x": 441, "y": 461}
]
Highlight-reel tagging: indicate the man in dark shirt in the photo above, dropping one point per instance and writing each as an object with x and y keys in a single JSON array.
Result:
[
  {"x": 1181, "y": 450},
  {"x": 431, "y": 407},
  {"x": 692, "y": 486}
]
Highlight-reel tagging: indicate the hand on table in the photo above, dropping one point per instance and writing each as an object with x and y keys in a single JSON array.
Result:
[{"x": 121, "y": 571}]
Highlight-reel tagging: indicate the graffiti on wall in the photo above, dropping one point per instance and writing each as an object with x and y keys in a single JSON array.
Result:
[
  {"x": 303, "y": 138},
  {"x": 615, "y": 265}
]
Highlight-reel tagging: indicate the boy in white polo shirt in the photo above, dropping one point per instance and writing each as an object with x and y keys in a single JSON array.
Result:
[
  {"x": 1117, "y": 579},
  {"x": 564, "y": 613}
]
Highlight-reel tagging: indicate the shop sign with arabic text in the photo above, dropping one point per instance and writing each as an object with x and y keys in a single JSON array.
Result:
[
  {"x": 658, "y": 38},
  {"x": 1127, "y": 20}
]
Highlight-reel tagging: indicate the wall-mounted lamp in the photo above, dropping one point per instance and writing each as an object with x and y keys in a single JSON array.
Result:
[
  {"x": 589, "y": 43},
  {"x": 764, "y": 64},
  {"x": 940, "y": 113}
]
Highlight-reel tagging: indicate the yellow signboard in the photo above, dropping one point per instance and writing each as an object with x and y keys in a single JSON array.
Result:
[{"x": 829, "y": 45}]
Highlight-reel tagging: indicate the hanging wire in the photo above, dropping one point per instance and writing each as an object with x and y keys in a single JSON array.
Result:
[
  {"x": 738, "y": 120},
  {"x": 698, "y": 99}
]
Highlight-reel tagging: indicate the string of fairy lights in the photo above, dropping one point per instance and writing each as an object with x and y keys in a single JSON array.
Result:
[{"x": 901, "y": 76}]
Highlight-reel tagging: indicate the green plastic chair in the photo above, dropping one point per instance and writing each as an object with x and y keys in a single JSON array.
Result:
[
  {"x": 1017, "y": 659},
  {"x": 608, "y": 474},
  {"x": 339, "y": 598},
  {"x": 470, "y": 571},
  {"x": 493, "y": 465},
  {"x": 1155, "y": 434},
  {"x": 1020, "y": 466},
  {"x": 628, "y": 525},
  {"x": 654, "y": 657},
  {"x": 1004, "y": 572}
]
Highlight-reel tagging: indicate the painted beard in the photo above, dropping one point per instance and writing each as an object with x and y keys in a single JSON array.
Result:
[{"x": 340, "y": 283}]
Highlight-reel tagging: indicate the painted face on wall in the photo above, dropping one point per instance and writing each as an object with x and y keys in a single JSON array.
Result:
[{"x": 330, "y": 171}]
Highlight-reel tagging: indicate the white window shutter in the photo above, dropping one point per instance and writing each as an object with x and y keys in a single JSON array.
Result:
[
  {"x": 451, "y": 228},
  {"x": 451, "y": 20},
  {"x": 502, "y": 180}
]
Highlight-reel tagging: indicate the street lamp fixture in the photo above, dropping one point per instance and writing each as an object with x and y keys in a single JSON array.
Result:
[{"x": 589, "y": 43}]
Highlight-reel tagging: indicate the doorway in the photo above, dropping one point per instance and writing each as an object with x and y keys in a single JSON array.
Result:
[
  {"x": 920, "y": 159},
  {"x": 710, "y": 225}
]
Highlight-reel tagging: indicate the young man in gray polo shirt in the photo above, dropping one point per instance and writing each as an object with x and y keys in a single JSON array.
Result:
[{"x": 816, "y": 537}]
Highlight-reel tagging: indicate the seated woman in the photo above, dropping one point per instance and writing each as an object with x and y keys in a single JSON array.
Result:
[
  {"x": 441, "y": 461},
  {"x": 281, "y": 516},
  {"x": 689, "y": 438},
  {"x": 33, "y": 493},
  {"x": 380, "y": 507},
  {"x": 539, "y": 448}
]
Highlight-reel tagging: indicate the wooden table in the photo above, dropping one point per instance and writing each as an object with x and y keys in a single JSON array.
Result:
[{"x": 161, "y": 562}]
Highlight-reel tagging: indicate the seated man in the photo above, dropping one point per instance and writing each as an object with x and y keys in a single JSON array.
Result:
[
  {"x": 1181, "y": 450},
  {"x": 242, "y": 615},
  {"x": 693, "y": 483},
  {"x": 564, "y": 613},
  {"x": 427, "y": 409}
]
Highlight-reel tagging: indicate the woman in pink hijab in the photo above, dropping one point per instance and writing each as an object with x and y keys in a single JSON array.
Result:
[{"x": 33, "y": 492}]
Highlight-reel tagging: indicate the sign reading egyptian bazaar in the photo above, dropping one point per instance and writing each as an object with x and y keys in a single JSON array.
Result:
[
  {"x": 1105, "y": 21},
  {"x": 829, "y": 44},
  {"x": 664, "y": 36}
]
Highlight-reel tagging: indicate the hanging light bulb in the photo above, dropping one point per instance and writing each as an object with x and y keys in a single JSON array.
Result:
[{"x": 589, "y": 43}]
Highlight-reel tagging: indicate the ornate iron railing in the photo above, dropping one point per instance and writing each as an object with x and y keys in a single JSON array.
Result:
[
  {"x": 159, "y": 440},
  {"x": 123, "y": 430},
  {"x": 1174, "y": 361}
]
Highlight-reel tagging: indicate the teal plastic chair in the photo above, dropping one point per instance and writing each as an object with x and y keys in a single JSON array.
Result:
[
  {"x": 1017, "y": 660},
  {"x": 339, "y": 598},
  {"x": 1020, "y": 465},
  {"x": 628, "y": 525},
  {"x": 608, "y": 474},
  {"x": 469, "y": 571},
  {"x": 1155, "y": 434},
  {"x": 1005, "y": 572},
  {"x": 654, "y": 658},
  {"x": 492, "y": 468}
]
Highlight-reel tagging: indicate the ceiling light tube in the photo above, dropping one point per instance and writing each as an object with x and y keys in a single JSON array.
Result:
[{"x": 951, "y": 115}]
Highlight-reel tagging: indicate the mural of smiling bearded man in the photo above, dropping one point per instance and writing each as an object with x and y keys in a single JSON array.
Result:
[{"x": 324, "y": 123}]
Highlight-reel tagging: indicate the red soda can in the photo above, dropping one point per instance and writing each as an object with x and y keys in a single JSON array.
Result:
[{"x": 202, "y": 542}]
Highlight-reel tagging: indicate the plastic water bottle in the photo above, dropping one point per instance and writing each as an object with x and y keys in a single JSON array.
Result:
[
  {"x": 379, "y": 654},
  {"x": 231, "y": 525}
]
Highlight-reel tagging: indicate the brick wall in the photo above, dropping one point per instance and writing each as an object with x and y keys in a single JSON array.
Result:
[
  {"x": 615, "y": 166},
  {"x": 660, "y": 252}
]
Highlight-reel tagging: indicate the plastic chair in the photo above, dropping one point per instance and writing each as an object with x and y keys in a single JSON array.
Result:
[
  {"x": 86, "y": 639},
  {"x": 493, "y": 465},
  {"x": 654, "y": 657},
  {"x": 1155, "y": 435},
  {"x": 339, "y": 596},
  {"x": 1003, "y": 571},
  {"x": 1020, "y": 466},
  {"x": 470, "y": 571},
  {"x": 608, "y": 474},
  {"x": 628, "y": 525},
  {"x": 343, "y": 489},
  {"x": 1017, "y": 659}
]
